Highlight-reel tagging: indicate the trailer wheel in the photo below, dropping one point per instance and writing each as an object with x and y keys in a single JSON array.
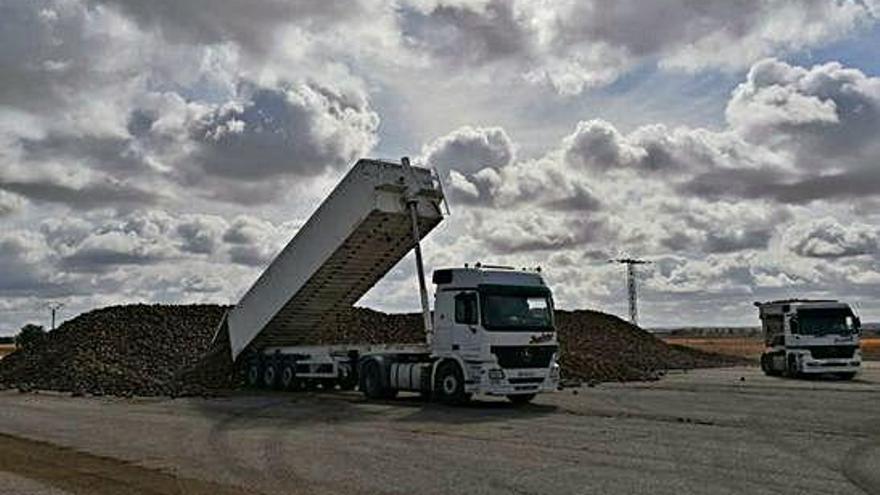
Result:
[
  {"x": 520, "y": 399},
  {"x": 449, "y": 384},
  {"x": 270, "y": 376},
  {"x": 288, "y": 377},
  {"x": 253, "y": 375}
]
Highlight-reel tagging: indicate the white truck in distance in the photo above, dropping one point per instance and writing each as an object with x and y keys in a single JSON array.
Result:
[
  {"x": 810, "y": 337},
  {"x": 491, "y": 332}
]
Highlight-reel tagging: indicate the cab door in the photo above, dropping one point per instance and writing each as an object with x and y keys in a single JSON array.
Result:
[{"x": 466, "y": 330}]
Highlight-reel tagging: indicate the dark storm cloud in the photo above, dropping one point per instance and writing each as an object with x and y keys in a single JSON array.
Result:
[
  {"x": 42, "y": 45},
  {"x": 466, "y": 34},
  {"x": 21, "y": 278},
  {"x": 296, "y": 131},
  {"x": 201, "y": 234},
  {"x": 251, "y": 24},
  {"x": 98, "y": 259},
  {"x": 469, "y": 150},
  {"x": 582, "y": 199},
  {"x": 783, "y": 187},
  {"x": 106, "y": 152},
  {"x": 252, "y": 242},
  {"x": 530, "y": 234},
  {"x": 89, "y": 196},
  {"x": 647, "y": 28}
]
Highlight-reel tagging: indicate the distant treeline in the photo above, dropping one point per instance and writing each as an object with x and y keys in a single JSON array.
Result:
[
  {"x": 7, "y": 340},
  {"x": 707, "y": 331}
]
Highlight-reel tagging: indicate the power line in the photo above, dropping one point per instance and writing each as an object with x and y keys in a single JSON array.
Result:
[
  {"x": 631, "y": 286},
  {"x": 54, "y": 307}
]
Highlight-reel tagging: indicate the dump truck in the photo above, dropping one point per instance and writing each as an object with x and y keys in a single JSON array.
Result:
[
  {"x": 491, "y": 332},
  {"x": 810, "y": 337}
]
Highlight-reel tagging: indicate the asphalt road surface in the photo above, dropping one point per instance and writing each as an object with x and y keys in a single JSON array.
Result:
[{"x": 710, "y": 431}]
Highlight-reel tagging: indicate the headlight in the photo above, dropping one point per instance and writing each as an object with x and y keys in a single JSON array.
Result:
[{"x": 496, "y": 374}]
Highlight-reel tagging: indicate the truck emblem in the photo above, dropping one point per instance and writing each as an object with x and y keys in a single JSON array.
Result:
[{"x": 527, "y": 355}]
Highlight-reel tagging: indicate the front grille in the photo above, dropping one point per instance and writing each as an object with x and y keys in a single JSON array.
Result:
[
  {"x": 524, "y": 356},
  {"x": 833, "y": 351},
  {"x": 517, "y": 381}
]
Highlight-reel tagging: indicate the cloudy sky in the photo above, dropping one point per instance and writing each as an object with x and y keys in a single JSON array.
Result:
[{"x": 165, "y": 150}]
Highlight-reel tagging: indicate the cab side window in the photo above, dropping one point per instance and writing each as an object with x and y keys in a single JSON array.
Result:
[
  {"x": 773, "y": 330},
  {"x": 466, "y": 309}
]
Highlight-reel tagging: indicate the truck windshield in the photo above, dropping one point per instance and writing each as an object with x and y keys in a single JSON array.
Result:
[
  {"x": 826, "y": 322},
  {"x": 516, "y": 312}
]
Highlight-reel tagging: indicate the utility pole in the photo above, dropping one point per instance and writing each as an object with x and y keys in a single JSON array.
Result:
[
  {"x": 631, "y": 285},
  {"x": 54, "y": 307}
]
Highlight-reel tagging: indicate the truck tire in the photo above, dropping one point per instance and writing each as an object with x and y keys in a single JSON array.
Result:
[
  {"x": 347, "y": 379},
  {"x": 371, "y": 380},
  {"x": 270, "y": 376},
  {"x": 791, "y": 369},
  {"x": 449, "y": 384},
  {"x": 254, "y": 375},
  {"x": 520, "y": 399},
  {"x": 288, "y": 376},
  {"x": 767, "y": 365}
]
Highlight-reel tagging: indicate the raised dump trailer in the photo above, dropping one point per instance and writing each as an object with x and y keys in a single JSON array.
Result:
[
  {"x": 805, "y": 336},
  {"x": 492, "y": 331},
  {"x": 359, "y": 233}
]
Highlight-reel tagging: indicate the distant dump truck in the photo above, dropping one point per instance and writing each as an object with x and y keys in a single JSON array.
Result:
[
  {"x": 491, "y": 331},
  {"x": 805, "y": 336}
]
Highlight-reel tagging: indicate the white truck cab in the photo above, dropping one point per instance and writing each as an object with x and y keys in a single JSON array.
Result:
[
  {"x": 497, "y": 324},
  {"x": 805, "y": 336}
]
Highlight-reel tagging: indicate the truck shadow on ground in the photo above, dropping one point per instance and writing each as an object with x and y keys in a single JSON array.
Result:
[{"x": 290, "y": 410}]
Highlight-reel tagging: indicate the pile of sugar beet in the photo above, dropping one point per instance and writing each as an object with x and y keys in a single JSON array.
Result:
[{"x": 153, "y": 350}]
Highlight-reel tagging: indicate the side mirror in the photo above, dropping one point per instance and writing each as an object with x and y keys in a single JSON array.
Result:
[
  {"x": 857, "y": 325},
  {"x": 793, "y": 325}
]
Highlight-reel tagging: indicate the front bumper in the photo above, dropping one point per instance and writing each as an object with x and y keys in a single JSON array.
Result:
[
  {"x": 810, "y": 365},
  {"x": 818, "y": 366},
  {"x": 517, "y": 381}
]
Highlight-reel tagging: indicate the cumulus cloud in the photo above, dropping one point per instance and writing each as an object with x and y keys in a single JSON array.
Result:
[
  {"x": 253, "y": 242},
  {"x": 201, "y": 234},
  {"x": 469, "y": 150},
  {"x": 822, "y": 120},
  {"x": 9, "y": 203},
  {"x": 828, "y": 238},
  {"x": 299, "y": 130}
]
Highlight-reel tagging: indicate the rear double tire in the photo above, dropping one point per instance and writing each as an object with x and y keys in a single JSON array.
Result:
[
  {"x": 288, "y": 377},
  {"x": 449, "y": 384},
  {"x": 270, "y": 375},
  {"x": 253, "y": 379}
]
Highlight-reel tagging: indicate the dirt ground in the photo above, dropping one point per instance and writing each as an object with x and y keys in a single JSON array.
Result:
[
  {"x": 721, "y": 431},
  {"x": 753, "y": 347}
]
